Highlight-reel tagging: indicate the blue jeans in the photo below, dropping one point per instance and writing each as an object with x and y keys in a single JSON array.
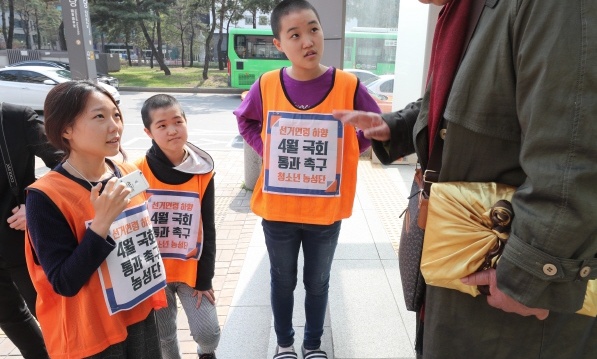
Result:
[{"x": 283, "y": 241}]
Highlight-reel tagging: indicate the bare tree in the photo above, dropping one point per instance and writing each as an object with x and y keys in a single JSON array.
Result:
[
  {"x": 154, "y": 51},
  {"x": 9, "y": 33},
  {"x": 150, "y": 9},
  {"x": 255, "y": 6},
  {"x": 234, "y": 12},
  {"x": 3, "y": 14},
  {"x": 178, "y": 21},
  {"x": 229, "y": 11},
  {"x": 222, "y": 13},
  {"x": 37, "y": 27},
  {"x": 160, "y": 52},
  {"x": 62, "y": 36},
  {"x": 210, "y": 35},
  {"x": 116, "y": 20},
  {"x": 44, "y": 19},
  {"x": 24, "y": 10},
  {"x": 193, "y": 26}
]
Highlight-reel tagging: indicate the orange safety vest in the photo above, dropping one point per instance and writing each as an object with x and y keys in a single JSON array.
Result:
[
  {"x": 80, "y": 326},
  {"x": 178, "y": 270},
  {"x": 310, "y": 209}
]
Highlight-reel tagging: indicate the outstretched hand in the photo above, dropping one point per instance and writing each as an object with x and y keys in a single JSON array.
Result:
[
  {"x": 499, "y": 299},
  {"x": 108, "y": 205},
  {"x": 371, "y": 123}
]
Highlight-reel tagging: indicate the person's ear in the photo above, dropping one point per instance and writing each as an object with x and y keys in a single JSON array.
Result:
[
  {"x": 277, "y": 44},
  {"x": 148, "y": 132},
  {"x": 68, "y": 133}
]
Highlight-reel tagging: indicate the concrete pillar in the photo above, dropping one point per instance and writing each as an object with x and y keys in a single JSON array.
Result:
[
  {"x": 416, "y": 24},
  {"x": 332, "y": 14}
]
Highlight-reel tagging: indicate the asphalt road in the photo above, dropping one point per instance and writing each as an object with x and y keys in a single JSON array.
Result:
[{"x": 211, "y": 123}]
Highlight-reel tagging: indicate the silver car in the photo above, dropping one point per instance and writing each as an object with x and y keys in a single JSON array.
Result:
[
  {"x": 29, "y": 85},
  {"x": 105, "y": 78}
]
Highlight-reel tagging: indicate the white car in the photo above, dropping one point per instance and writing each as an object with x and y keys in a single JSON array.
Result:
[
  {"x": 364, "y": 76},
  {"x": 29, "y": 85},
  {"x": 384, "y": 85}
]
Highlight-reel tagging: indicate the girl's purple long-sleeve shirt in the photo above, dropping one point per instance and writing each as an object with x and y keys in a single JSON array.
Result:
[{"x": 304, "y": 94}]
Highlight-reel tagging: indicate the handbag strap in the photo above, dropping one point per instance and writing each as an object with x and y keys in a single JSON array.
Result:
[
  {"x": 431, "y": 174},
  {"x": 12, "y": 179}
]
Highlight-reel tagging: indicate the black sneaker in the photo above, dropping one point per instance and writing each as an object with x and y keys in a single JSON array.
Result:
[{"x": 207, "y": 356}]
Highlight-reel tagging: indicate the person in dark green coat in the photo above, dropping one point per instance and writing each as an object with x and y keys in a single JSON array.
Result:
[{"x": 520, "y": 109}]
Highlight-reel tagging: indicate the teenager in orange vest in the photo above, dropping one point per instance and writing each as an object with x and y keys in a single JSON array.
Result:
[
  {"x": 308, "y": 179},
  {"x": 181, "y": 204},
  {"x": 90, "y": 249}
]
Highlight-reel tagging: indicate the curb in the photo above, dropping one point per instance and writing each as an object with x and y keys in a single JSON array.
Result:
[{"x": 214, "y": 90}]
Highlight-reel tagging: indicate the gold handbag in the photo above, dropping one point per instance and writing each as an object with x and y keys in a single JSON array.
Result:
[{"x": 468, "y": 224}]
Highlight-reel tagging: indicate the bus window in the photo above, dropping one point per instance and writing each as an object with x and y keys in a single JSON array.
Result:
[
  {"x": 368, "y": 50},
  {"x": 241, "y": 51},
  {"x": 259, "y": 47},
  {"x": 121, "y": 53},
  {"x": 251, "y": 53},
  {"x": 368, "y": 53},
  {"x": 347, "y": 52},
  {"x": 240, "y": 46}
]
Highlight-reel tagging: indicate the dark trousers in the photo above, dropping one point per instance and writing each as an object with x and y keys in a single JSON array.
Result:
[
  {"x": 284, "y": 241},
  {"x": 142, "y": 342},
  {"x": 16, "y": 320}
]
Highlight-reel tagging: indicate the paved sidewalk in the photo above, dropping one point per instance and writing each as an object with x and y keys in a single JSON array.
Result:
[{"x": 366, "y": 315}]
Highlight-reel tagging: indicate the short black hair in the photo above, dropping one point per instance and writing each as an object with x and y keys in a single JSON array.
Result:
[
  {"x": 286, "y": 7},
  {"x": 155, "y": 102}
]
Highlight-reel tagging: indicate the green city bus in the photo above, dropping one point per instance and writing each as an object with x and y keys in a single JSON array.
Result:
[
  {"x": 251, "y": 52},
  {"x": 372, "y": 51}
]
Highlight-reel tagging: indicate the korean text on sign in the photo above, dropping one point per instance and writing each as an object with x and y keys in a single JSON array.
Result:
[
  {"x": 134, "y": 269},
  {"x": 303, "y": 154},
  {"x": 176, "y": 221}
]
